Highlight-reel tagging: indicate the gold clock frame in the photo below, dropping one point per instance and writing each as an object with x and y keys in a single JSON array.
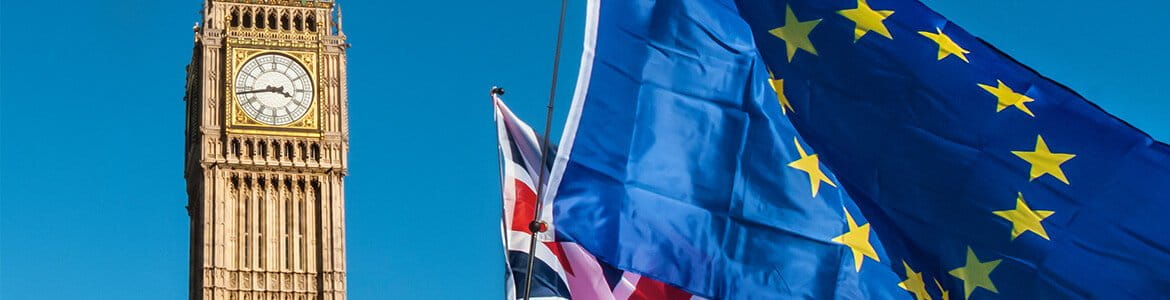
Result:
[{"x": 241, "y": 123}]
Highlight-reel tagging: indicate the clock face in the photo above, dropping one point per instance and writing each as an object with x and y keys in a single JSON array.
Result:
[{"x": 274, "y": 89}]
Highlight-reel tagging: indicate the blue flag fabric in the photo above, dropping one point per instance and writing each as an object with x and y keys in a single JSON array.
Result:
[
  {"x": 681, "y": 166},
  {"x": 973, "y": 168},
  {"x": 968, "y": 174}
]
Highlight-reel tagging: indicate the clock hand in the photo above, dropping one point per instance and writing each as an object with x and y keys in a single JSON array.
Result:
[
  {"x": 282, "y": 92},
  {"x": 267, "y": 89},
  {"x": 250, "y": 92}
]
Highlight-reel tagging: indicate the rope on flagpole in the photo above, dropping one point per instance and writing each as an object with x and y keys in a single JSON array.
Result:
[{"x": 536, "y": 225}]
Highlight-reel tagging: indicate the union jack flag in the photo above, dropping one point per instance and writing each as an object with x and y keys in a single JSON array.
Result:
[{"x": 562, "y": 270}]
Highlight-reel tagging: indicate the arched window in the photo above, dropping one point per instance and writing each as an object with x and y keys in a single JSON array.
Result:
[
  {"x": 263, "y": 147},
  {"x": 304, "y": 154},
  {"x": 235, "y": 147},
  {"x": 247, "y": 19},
  {"x": 272, "y": 20},
  {"x": 284, "y": 21},
  {"x": 311, "y": 23},
  {"x": 297, "y": 23},
  {"x": 245, "y": 199},
  {"x": 262, "y": 214},
  {"x": 260, "y": 19},
  {"x": 235, "y": 18},
  {"x": 288, "y": 227},
  {"x": 288, "y": 150},
  {"x": 276, "y": 150},
  {"x": 316, "y": 152}
]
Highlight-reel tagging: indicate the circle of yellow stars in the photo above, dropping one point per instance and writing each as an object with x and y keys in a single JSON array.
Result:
[{"x": 975, "y": 273}]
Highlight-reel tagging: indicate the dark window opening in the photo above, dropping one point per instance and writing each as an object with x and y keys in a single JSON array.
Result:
[
  {"x": 248, "y": 19},
  {"x": 235, "y": 147},
  {"x": 263, "y": 149},
  {"x": 276, "y": 151},
  {"x": 311, "y": 23}
]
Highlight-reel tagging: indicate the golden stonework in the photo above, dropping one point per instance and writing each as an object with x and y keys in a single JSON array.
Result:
[{"x": 239, "y": 122}]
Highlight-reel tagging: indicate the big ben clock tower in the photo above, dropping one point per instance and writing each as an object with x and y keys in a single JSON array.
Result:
[{"x": 266, "y": 143}]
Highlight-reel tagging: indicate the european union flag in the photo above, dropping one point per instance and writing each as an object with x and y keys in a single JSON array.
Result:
[
  {"x": 973, "y": 168},
  {"x": 849, "y": 149}
]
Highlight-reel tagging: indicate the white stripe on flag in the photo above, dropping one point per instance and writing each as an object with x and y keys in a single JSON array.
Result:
[{"x": 588, "y": 279}]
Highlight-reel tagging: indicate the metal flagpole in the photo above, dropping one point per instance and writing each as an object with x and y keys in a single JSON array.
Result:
[
  {"x": 535, "y": 226},
  {"x": 496, "y": 92}
]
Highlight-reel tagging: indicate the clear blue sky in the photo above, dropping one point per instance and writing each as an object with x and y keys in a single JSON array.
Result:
[{"x": 91, "y": 121}]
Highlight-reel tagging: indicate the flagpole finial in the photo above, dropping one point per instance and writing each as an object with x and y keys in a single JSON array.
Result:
[
  {"x": 537, "y": 226},
  {"x": 498, "y": 91}
]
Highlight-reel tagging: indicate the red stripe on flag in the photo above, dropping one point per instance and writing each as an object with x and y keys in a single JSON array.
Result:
[
  {"x": 523, "y": 212},
  {"x": 650, "y": 289},
  {"x": 559, "y": 252}
]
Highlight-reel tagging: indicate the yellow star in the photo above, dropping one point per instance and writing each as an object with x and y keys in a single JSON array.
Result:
[
  {"x": 914, "y": 283},
  {"x": 857, "y": 239},
  {"x": 867, "y": 20},
  {"x": 812, "y": 165},
  {"x": 1044, "y": 161},
  {"x": 946, "y": 46},
  {"x": 976, "y": 274},
  {"x": 778, "y": 86},
  {"x": 1025, "y": 219},
  {"x": 1007, "y": 97},
  {"x": 795, "y": 33},
  {"x": 946, "y": 295}
]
